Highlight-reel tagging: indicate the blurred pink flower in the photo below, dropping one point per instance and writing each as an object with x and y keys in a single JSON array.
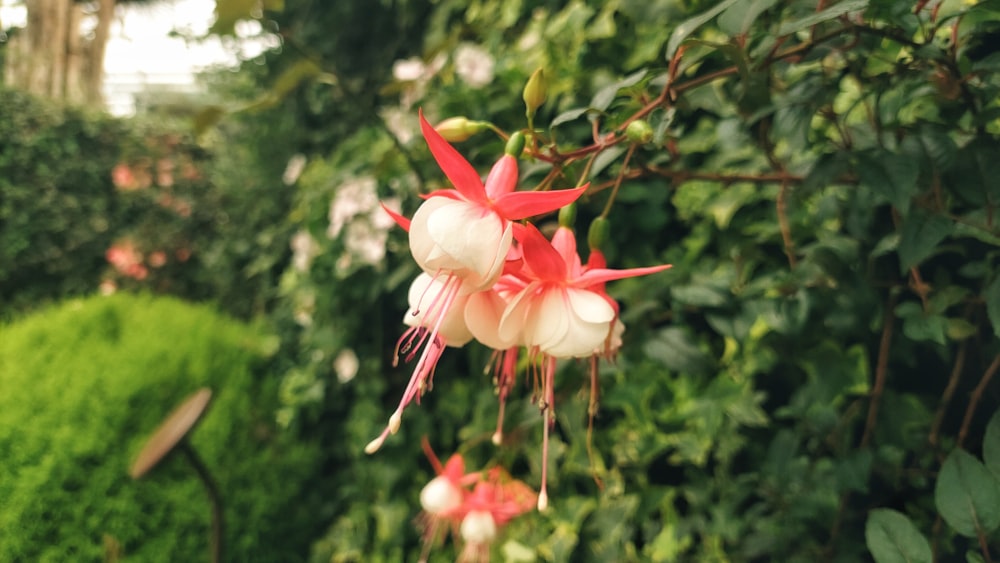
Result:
[{"x": 127, "y": 260}]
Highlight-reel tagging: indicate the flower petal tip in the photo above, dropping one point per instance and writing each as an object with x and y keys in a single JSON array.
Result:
[
  {"x": 497, "y": 438},
  {"x": 543, "y": 501},
  {"x": 374, "y": 445},
  {"x": 394, "y": 422}
]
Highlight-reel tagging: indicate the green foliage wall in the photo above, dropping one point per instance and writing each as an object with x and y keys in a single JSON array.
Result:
[
  {"x": 186, "y": 217},
  {"x": 822, "y": 177},
  {"x": 84, "y": 384},
  {"x": 57, "y": 206}
]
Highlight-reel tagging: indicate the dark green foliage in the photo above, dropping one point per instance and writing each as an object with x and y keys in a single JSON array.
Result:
[
  {"x": 85, "y": 384},
  {"x": 205, "y": 220},
  {"x": 57, "y": 207},
  {"x": 822, "y": 178}
]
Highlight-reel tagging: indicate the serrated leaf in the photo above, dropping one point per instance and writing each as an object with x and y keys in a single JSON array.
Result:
[
  {"x": 830, "y": 13},
  {"x": 687, "y": 27},
  {"x": 920, "y": 235},
  {"x": 892, "y": 538},
  {"x": 992, "y": 297},
  {"x": 967, "y": 495},
  {"x": 991, "y": 445}
]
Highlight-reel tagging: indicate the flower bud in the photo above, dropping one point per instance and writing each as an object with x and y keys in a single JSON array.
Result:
[
  {"x": 535, "y": 92},
  {"x": 598, "y": 233},
  {"x": 458, "y": 129},
  {"x": 567, "y": 216},
  {"x": 515, "y": 144},
  {"x": 639, "y": 132}
]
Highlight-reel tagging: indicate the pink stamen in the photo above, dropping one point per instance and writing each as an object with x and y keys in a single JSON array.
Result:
[
  {"x": 423, "y": 372},
  {"x": 548, "y": 418}
]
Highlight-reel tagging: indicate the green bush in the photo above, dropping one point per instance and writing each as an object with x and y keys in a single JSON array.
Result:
[
  {"x": 57, "y": 204},
  {"x": 87, "y": 198},
  {"x": 86, "y": 383}
]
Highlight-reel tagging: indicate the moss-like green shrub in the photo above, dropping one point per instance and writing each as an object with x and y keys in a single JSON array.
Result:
[{"x": 83, "y": 385}]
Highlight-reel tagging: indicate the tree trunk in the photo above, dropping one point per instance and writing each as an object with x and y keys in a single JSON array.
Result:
[{"x": 50, "y": 57}]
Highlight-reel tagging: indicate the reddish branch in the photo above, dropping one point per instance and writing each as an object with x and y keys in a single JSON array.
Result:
[
  {"x": 949, "y": 391},
  {"x": 881, "y": 369},
  {"x": 977, "y": 394}
]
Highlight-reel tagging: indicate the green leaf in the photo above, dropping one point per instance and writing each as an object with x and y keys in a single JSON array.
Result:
[
  {"x": 921, "y": 235},
  {"x": 967, "y": 495},
  {"x": 891, "y": 176},
  {"x": 738, "y": 18},
  {"x": 992, "y": 297},
  {"x": 687, "y": 27},
  {"x": 830, "y": 13},
  {"x": 675, "y": 349},
  {"x": 567, "y": 116},
  {"x": 892, "y": 538},
  {"x": 991, "y": 445},
  {"x": 603, "y": 98}
]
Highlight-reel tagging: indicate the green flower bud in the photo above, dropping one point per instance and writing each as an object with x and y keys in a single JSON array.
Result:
[
  {"x": 515, "y": 144},
  {"x": 458, "y": 129},
  {"x": 535, "y": 92},
  {"x": 567, "y": 216},
  {"x": 598, "y": 233},
  {"x": 639, "y": 132}
]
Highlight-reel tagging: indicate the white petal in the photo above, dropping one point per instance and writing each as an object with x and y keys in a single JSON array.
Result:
[
  {"x": 426, "y": 301},
  {"x": 589, "y": 320},
  {"x": 478, "y": 527},
  {"x": 440, "y": 496},
  {"x": 548, "y": 321},
  {"x": 590, "y": 306},
  {"x": 482, "y": 315},
  {"x": 471, "y": 235}
]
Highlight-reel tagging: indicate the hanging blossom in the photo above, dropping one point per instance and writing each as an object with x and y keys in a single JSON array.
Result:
[
  {"x": 557, "y": 309},
  {"x": 474, "y": 507},
  {"x": 461, "y": 239}
]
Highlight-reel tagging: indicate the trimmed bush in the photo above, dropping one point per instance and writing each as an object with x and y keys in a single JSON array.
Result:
[{"x": 85, "y": 384}]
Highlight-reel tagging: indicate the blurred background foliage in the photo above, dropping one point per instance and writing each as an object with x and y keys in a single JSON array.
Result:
[
  {"x": 821, "y": 175},
  {"x": 86, "y": 384}
]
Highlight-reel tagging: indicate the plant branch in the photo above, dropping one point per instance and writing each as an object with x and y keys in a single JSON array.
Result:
[
  {"x": 881, "y": 369},
  {"x": 977, "y": 394}
]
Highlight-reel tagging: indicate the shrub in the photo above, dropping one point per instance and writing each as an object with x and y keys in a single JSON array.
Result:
[{"x": 86, "y": 383}]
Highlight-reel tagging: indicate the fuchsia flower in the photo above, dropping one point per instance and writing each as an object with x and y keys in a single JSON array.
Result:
[
  {"x": 467, "y": 231},
  {"x": 561, "y": 311},
  {"x": 460, "y": 237},
  {"x": 475, "y": 516}
]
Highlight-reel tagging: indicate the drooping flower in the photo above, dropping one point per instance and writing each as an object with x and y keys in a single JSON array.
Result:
[
  {"x": 494, "y": 502},
  {"x": 560, "y": 311},
  {"x": 467, "y": 231},
  {"x": 474, "y": 506},
  {"x": 435, "y": 318},
  {"x": 461, "y": 238}
]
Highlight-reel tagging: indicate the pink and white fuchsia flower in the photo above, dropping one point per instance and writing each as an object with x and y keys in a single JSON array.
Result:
[
  {"x": 560, "y": 311},
  {"x": 460, "y": 238}
]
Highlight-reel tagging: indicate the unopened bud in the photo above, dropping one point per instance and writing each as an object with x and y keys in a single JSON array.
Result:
[
  {"x": 515, "y": 144},
  {"x": 535, "y": 92},
  {"x": 567, "y": 216},
  {"x": 458, "y": 129},
  {"x": 598, "y": 233},
  {"x": 639, "y": 132}
]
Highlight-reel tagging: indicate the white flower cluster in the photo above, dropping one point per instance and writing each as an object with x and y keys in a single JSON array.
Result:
[{"x": 355, "y": 216}]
